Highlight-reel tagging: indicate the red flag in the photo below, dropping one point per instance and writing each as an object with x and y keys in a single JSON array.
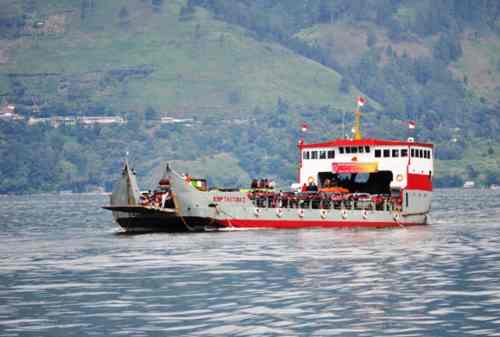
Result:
[
  {"x": 412, "y": 124},
  {"x": 361, "y": 101},
  {"x": 304, "y": 127}
]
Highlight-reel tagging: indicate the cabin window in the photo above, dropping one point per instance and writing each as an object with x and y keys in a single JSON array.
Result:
[
  {"x": 367, "y": 149},
  {"x": 354, "y": 150},
  {"x": 347, "y": 150},
  {"x": 395, "y": 153},
  {"x": 314, "y": 154},
  {"x": 306, "y": 155},
  {"x": 404, "y": 153},
  {"x": 421, "y": 153},
  {"x": 341, "y": 149},
  {"x": 387, "y": 153},
  {"x": 331, "y": 154},
  {"x": 322, "y": 154},
  {"x": 361, "y": 149},
  {"x": 412, "y": 153},
  {"x": 378, "y": 153}
]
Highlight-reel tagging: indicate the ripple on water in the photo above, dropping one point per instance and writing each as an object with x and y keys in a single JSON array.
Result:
[{"x": 65, "y": 272}]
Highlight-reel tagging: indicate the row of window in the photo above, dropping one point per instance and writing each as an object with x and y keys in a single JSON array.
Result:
[
  {"x": 421, "y": 153},
  {"x": 396, "y": 153},
  {"x": 386, "y": 153},
  {"x": 355, "y": 149},
  {"x": 319, "y": 154}
]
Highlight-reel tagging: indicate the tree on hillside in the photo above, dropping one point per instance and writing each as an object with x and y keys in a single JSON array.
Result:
[
  {"x": 124, "y": 17},
  {"x": 282, "y": 106},
  {"x": 371, "y": 39},
  {"x": 447, "y": 48},
  {"x": 157, "y": 5},
  {"x": 29, "y": 6},
  {"x": 345, "y": 85},
  {"x": 384, "y": 10},
  {"x": 186, "y": 12},
  {"x": 150, "y": 114},
  {"x": 87, "y": 7},
  {"x": 326, "y": 11}
]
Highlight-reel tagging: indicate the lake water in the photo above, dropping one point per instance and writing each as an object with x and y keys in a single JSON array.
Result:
[{"x": 66, "y": 271}]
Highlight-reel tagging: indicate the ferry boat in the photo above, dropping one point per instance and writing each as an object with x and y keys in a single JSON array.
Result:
[{"x": 345, "y": 183}]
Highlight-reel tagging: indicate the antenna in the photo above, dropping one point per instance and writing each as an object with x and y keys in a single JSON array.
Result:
[{"x": 343, "y": 124}]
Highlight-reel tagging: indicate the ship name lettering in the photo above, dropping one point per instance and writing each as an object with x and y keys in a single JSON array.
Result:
[{"x": 219, "y": 198}]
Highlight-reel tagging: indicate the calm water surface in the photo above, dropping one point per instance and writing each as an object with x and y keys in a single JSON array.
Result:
[{"x": 66, "y": 271}]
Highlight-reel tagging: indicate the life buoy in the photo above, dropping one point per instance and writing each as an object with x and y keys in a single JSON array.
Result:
[
  {"x": 365, "y": 214},
  {"x": 279, "y": 212},
  {"x": 323, "y": 213},
  {"x": 310, "y": 179},
  {"x": 399, "y": 177},
  {"x": 257, "y": 211},
  {"x": 301, "y": 212},
  {"x": 344, "y": 214}
]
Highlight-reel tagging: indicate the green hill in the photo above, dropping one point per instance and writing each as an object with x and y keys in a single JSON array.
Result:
[
  {"x": 129, "y": 55},
  {"x": 248, "y": 73}
]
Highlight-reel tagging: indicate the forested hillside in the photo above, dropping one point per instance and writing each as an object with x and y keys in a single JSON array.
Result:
[{"x": 248, "y": 73}]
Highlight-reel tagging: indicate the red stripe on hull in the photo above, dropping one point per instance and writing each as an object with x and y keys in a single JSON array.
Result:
[
  {"x": 295, "y": 224},
  {"x": 419, "y": 182}
]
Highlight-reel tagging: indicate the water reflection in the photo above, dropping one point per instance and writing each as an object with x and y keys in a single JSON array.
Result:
[{"x": 65, "y": 272}]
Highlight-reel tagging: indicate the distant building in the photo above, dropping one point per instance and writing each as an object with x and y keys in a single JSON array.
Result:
[
  {"x": 101, "y": 120},
  {"x": 171, "y": 120},
  {"x": 35, "y": 120},
  {"x": 469, "y": 184},
  {"x": 57, "y": 121},
  {"x": 10, "y": 116},
  {"x": 8, "y": 113}
]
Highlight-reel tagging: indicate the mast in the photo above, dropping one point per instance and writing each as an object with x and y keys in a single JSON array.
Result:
[{"x": 357, "y": 122}]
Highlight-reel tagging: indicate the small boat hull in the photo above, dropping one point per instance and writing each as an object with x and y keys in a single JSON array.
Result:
[{"x": 172, "y": 224}]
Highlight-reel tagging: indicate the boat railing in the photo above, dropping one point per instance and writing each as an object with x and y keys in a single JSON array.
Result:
[{"x": 324, "y": 200}]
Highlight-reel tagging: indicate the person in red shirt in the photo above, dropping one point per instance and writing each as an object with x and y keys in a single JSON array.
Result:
[{"x": 304, "y": 188}]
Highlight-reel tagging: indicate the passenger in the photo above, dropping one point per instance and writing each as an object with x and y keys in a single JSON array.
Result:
[
  {"x": 271, "y": 184},
  {"x": 312, "y": 187},
  {"x": 144, "y": 200},
  {"x": 304, "y": 188},
  {"x": 260, "y": 184},
  {"x": 266, "y": 184},
  {"x": 254, "y": 184},
  {"x": 326, "y": 183}
]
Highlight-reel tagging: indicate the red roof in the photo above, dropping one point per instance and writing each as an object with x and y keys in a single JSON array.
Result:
[{"x": 362, "y": 142}]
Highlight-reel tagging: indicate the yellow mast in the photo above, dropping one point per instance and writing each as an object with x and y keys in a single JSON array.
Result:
[{"x": 357, "y": 121}]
